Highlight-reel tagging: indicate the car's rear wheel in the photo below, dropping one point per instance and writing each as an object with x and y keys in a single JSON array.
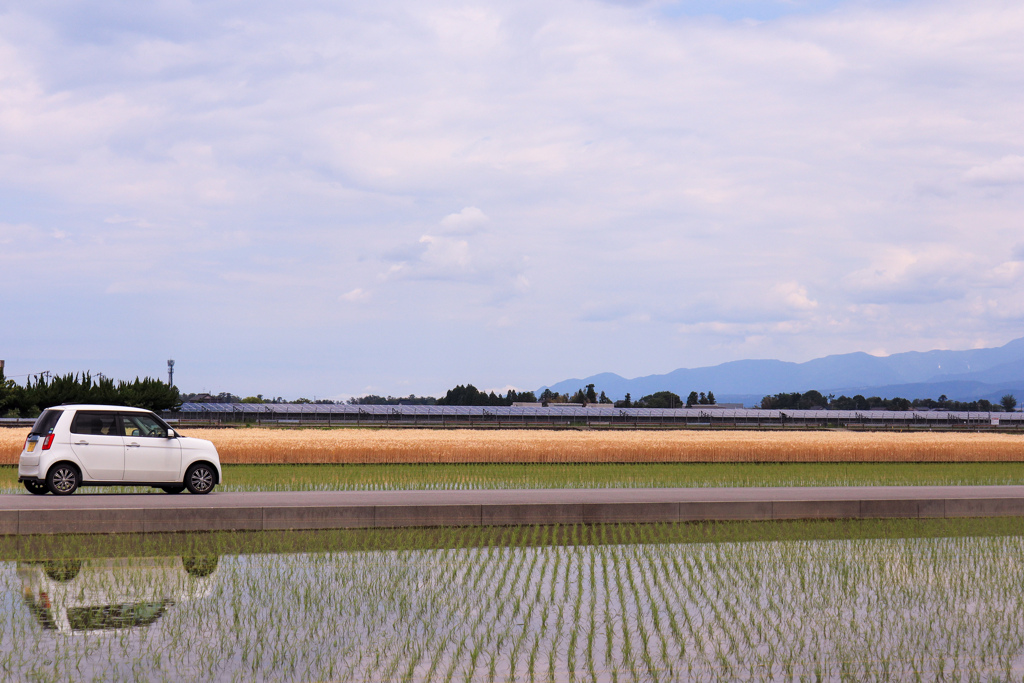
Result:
[
  {"x": 172, "y": 489},
  {"x": 63, "y": 479},
  {"x": 62, "y": 570},
  {"x": 200, "y": 566},
  {"x": 200, "y": 478},
  {"x": 36, "y": 487}
]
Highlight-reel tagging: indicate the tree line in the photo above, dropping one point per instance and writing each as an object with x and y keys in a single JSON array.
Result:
[
  {"x": 659, "y": 399},
  {"x": 811, "y": 400},
  {"x": 41, "y": 392},
  {"x": 469, "y": 395}
]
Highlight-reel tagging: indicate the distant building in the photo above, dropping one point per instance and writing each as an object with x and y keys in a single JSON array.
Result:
[{"x": 551, "y": 404}]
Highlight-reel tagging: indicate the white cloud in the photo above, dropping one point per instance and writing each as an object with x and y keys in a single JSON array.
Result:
[
  {"x": 465, "y": 222},
  {"x": 357, "y": 294},
  {"x": 445, "y": 254},
  {"x": 1006, "y": 171},
  {"x": 794, "y": 296}
]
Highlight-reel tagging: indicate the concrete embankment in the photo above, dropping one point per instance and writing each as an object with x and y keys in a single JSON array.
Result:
[{"x": 134, "y": 513}]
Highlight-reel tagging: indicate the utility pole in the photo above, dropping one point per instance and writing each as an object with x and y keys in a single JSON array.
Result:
[{"x": 170, "y": 373}]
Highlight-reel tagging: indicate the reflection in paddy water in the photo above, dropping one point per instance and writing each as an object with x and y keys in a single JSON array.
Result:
[
  {"x": 858, "y": 609},
  {"x": 74, "y": 595}
]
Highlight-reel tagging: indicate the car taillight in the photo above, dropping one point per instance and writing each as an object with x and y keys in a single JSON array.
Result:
[{"x": 46, "y": 444}]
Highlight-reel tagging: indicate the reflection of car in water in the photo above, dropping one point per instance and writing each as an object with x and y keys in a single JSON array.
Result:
[{"x": 111, "y": 593}]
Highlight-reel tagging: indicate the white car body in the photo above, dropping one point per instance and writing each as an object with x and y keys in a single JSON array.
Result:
[{"x": 112, "y": 446}]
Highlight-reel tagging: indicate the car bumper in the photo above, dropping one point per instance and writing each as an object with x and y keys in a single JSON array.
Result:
[{"x": 28, "y": 470}]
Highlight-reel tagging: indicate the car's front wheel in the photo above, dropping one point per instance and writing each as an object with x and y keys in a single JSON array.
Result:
[
  {"x": 63, "y": 479},
  {"x": 36, "y": 487},
  {"x": 200, "y": 478}
]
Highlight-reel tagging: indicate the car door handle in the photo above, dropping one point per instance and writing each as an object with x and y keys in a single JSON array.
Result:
[
  {"x": 134, "y": 445},
  {"x": 81, "y": 443}
]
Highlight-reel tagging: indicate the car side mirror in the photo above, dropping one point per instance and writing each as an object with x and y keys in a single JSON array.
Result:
[{"x": 171, "y": 433}]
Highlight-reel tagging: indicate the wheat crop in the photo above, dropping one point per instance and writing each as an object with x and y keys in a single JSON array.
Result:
[
  {"x": 533, "y": 446},
  {"x": 361, "y": 446}
]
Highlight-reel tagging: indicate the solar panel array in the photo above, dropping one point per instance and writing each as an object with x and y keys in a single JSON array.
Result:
[{"x": 295, "y": 411}]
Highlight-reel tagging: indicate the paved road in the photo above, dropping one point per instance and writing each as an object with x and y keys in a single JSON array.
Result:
[
  {"x": 81, "y": 501},
  {"x": 131, "y": 513}
]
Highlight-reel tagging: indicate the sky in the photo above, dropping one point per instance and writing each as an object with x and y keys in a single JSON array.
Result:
[{"x": 330, "y": 199}]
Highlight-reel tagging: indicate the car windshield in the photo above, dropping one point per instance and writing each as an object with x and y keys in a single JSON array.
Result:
[
  {"x": 102, "y": 617},
  {"x": 143, "y": 424},
  {"x": 46, "y": 422}
]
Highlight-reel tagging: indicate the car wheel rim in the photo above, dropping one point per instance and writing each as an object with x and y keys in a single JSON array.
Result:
[
  {"x": 63, "y": 480},
  {"x": 202, "y": 479}
]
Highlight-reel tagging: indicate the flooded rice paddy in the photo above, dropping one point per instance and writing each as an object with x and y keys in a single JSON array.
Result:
[{"x": 622, "y": 604}]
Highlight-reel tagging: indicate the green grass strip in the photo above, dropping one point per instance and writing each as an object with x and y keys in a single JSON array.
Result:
[
  {"x": 554, "y": 476},
  {"x": 542, "y": 476},
  {"x": 526, "y": 476}
]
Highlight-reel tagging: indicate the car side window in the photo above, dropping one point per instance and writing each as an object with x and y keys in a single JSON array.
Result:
[
  {"x": 94, "y": 423},
  {"x": 141, "y": 424}
]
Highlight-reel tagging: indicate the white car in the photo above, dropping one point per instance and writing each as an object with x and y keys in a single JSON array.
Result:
[{"x": 74, "y": 445}]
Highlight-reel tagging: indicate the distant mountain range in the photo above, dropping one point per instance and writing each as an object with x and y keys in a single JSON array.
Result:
[{"x": 960, "y": 375}]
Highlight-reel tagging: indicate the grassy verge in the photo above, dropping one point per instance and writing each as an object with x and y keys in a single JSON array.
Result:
[
  {"x": 523, "y": 476},
  {"x": 354, "y": 540}
]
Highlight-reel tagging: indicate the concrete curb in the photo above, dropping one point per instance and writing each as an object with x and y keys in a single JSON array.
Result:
[{"x": 259, "y": 518}]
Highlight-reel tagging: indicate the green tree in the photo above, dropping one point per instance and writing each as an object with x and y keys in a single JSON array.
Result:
[
  {"x": 661, "y": 399},
  {"x": 1008, "y": 402},
  {"x": 253, "y": 399},
  {"x": 591, "y": 394},
  {"x": 711, "y": 398},
  {"x": 467, "y": 395},
  {"x": 9, "y": 396},
  {"x": 603, "y": 399},
  {"x": 692, "y": 399}
]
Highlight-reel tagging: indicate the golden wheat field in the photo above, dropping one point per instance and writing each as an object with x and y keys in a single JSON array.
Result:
[{"x": 257, "y": 446}]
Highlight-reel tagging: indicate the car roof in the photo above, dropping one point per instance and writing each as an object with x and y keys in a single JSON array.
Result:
[{"x": 93, "y": 406}]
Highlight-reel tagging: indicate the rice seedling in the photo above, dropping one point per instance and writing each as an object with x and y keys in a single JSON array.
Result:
[{"x": 662, "y": 602}]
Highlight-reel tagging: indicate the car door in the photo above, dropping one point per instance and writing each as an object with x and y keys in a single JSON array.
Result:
[
  {"x": 149, "y": 456},
  {"x": 97, "y": 442}
]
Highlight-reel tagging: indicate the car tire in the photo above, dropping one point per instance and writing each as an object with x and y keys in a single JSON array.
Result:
[
  {"x": 37, "y": 488},
  {"x": 172, "y": 489},
  {"x": 62, "y": 570},
  {"x": 199, "y": 567},
  {"x": 200, "y": 479},
  {"x": 63, "y": 479}
]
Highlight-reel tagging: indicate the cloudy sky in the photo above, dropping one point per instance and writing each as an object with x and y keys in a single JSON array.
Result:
[{"x": 324, "y": 198}]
